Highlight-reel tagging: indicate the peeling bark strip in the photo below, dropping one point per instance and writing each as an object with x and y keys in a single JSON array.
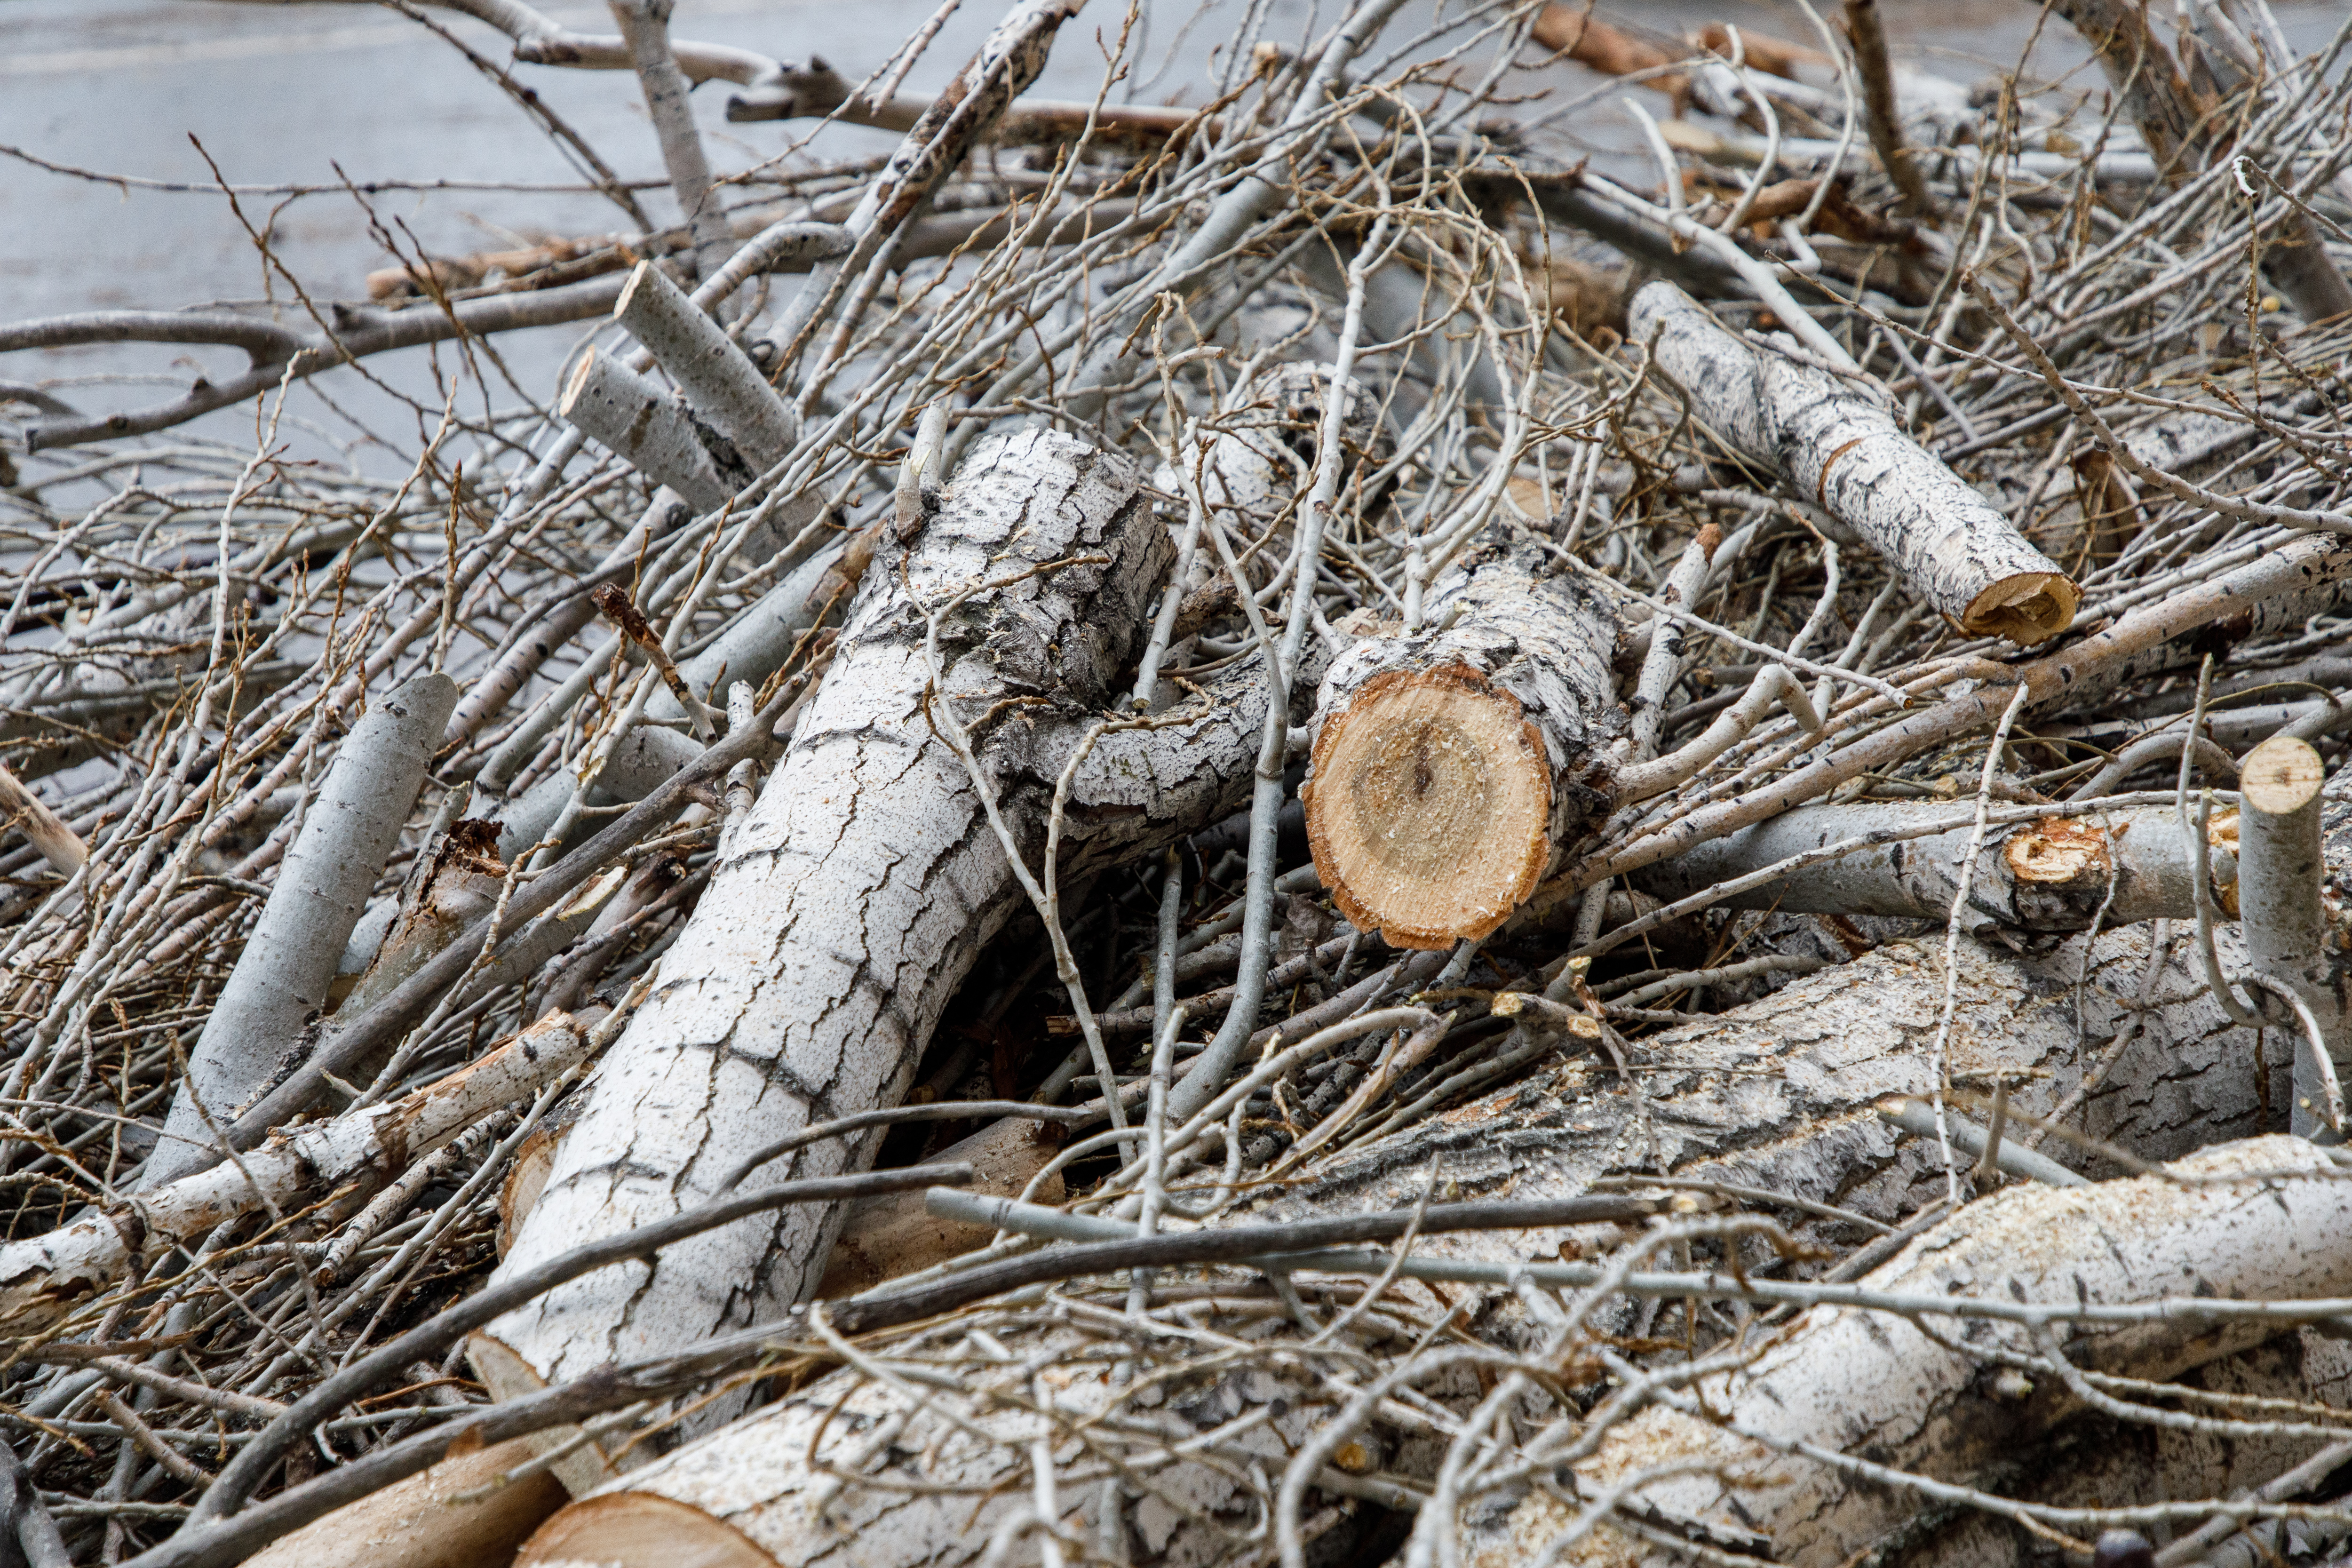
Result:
[
  {"x": 1450, "y": 765},
  {"x": 853, "y": 897},
  {"x": 1841, "y": 449},
  {"x": 289, "y": 962},
  {"x": 44, "y": 1278},
  {"x": 1874, "y": 1385}
]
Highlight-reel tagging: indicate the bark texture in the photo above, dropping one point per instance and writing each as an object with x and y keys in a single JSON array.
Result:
[
  {"x": 290, "y": 960},
  {"x": 1841, "y": 449},
  {"x": 1781, "y": 1093},
  {"x": 619, "y": 409},
  {"x": 852, "y": 899},
  {"x": 2055, "y": 875},
  {"x": 1452, "y": 765},
  {"x": 1874, "y": 1385},
  {"x": 853, "y": 1471}
]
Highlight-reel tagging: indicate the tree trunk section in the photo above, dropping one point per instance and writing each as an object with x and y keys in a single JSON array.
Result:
[
  {"x": 1839, "y": 447},
  {"x": 1452, "y": 765},
  {"x": 854, "y": 895}
]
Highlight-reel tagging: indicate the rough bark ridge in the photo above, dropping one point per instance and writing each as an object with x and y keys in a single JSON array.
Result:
[
  {"x": 851, "y": 899},
  {"x": 1869, "y": 1383},
  {"x": 1782, "y": 1093},
  {"x": 1841, "y": 449},
  {"x": 1452, "y": 765}
]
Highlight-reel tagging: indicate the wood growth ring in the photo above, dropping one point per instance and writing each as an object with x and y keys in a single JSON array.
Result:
[{"x": 1430, "y": 807}]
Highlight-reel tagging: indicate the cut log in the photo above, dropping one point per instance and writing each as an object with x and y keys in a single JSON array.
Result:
[
  {"x": 716, "y": 377},
  {"x": 418, "y": 1523},
  {"x": 886, "y": 1236},
  {"x": 43, "y": 1277},
  {"x": 851, "y": 1470},
  {"x": 856, "y": 893},
  {"x": 1875, "y": 1384},
  {"x": 1839, "y": 447},
  {"x": 651, "y": 431},
  {"x": 290, "y": 960},
  {"x": 2298, "y": 945},
  {"x": 1781, "y": 1093},
  {"x": 2054, "y": 875},
  {"x": 1452, "y": 765}
]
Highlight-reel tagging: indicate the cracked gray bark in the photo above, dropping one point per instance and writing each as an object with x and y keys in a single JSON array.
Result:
[
  {"x": 1837, "y": 447},
  {"x": 1875, "y": 1386},
  {"x": 290, "y": 960},
  {"x": 823, "y": 1476},
  {"x": 1781, "y": 1093},
  {"x": 1452, "y": 765},
  {"x": 853, "y": 897}
]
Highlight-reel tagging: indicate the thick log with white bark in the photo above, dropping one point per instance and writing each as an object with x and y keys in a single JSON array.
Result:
[
  {"x": 1880, "y": 1386},
  {"x": 43, "y": 1277},
  {"x": 1782, "y": 1093},
  {"x": 853, "y": 896},
  {"x": 1452, "y": 765},
  {"x": 922, "y": 1476},
  {"x": 1839, "y": 447}
]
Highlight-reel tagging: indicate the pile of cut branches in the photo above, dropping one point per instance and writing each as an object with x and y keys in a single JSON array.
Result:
[{"x": 1292, "y": 832}]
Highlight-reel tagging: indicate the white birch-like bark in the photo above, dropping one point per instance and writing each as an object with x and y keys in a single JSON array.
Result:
[
  {"x": 44, "y": 1276},
  {"x": 290, "y": 960},
  {"x": 716, "y": 377},
  {"x": 622, "y": 411},
  {"x": 823, "y": 1475},
  {"x": 1452, "y": 765},
  {"x": 2297, "y": 946},
  {"x": 1838, "y": 447},
  {"x": 1875, "y": 1384},
  {"x": 852, "y": 899},
  {"x": 2048, "y": 876},
  {"x": 645, "y": 28}
]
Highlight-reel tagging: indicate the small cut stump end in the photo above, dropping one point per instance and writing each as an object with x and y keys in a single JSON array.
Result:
[{"x": 1428, "y": 806}]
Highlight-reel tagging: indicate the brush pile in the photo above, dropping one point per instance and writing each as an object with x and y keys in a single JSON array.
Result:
[{"x": 1291, "y": 832}]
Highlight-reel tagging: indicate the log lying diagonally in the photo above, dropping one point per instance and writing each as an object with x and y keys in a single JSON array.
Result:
[
  {"x": 852, "y": 899},
  {"x": 289, "y": 962},
  {"x": 1840, "y": 448},
  {"x": 1781, "y": 1093},
  {"x": 1453, "y": 764},
  {"x": 1867, "y": 1383}
]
